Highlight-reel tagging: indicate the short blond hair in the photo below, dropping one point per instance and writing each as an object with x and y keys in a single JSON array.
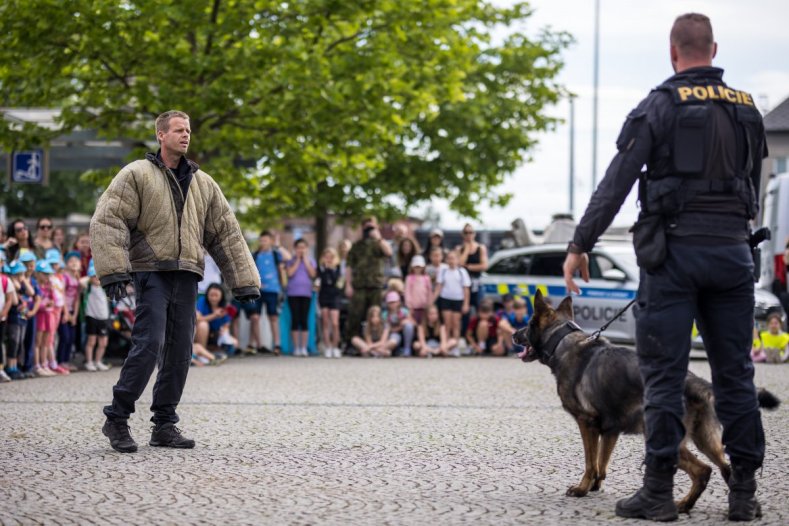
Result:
[{"x": 163, "y": 121}]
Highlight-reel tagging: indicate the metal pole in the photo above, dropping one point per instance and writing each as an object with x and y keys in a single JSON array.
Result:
[
  {"x": 594, "y": 98},
  {"x": 572, "y": 156}
]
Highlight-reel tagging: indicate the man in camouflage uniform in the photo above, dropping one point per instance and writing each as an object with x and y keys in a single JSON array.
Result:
[{"x": 364, "y": 275}]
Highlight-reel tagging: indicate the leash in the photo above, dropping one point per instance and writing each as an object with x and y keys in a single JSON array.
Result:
[{"x": 596, "y": 334}]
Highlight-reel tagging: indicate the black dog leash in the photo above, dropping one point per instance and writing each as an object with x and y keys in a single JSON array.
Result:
[{"x": 596, "y": 334}]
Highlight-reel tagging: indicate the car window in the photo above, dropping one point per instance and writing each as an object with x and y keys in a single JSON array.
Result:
[
  {"x": 599, "y": 264},
  {"x": 518, "y": 264},
  {"x": 547, "y": 264}
]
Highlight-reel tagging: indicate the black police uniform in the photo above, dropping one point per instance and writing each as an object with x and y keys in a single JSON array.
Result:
[{"x": 702, "y": 144}]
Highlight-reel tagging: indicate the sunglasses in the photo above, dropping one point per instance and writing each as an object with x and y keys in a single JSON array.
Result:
[
  {"x": 45, "y": 227},
  {"x": 19, "y": 228},
  {"x": 468, "y": 232}
]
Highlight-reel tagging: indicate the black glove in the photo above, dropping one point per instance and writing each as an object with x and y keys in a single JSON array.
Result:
[
  {"x": 116, "y": 291},
  {"x": 250, "y": 298}
]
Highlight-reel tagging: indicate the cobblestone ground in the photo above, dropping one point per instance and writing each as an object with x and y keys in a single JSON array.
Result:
[{"x": 351, "y": 441}]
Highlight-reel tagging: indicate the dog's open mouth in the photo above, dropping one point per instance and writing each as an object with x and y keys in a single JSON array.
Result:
[{"x": 527, "y": 354}]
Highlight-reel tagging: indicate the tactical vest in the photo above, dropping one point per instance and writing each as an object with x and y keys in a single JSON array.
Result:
[{"x": 679, "y": 173}]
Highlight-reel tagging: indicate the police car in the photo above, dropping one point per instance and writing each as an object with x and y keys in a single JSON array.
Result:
[{"x": 613, "y": 283}]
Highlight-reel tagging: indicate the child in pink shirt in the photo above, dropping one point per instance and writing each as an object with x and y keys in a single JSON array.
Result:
[{"x": 418, "y": 289}]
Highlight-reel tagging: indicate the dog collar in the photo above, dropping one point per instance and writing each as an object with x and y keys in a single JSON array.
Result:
[{"x": 558, "y": 335}]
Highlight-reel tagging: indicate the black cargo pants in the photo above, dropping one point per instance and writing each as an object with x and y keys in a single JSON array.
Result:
[
  {"x": 162, "y": 336},
  {"x": 713, "y": 284}
]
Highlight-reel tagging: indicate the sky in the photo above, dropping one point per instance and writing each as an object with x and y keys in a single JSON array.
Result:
[{"x": 753, "y": 50}]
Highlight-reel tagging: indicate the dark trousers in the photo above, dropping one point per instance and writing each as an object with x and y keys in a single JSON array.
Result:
[
  {"x": 361, "y": 301},
  {"x": 29, "y": 344},
  {"x": 67, "y": 334},
  {"x": 712, "y": 284},
  {"x": 162, "y": 336}
]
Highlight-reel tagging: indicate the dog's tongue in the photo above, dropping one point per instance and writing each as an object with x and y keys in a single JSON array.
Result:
[{"x": 524, "y": 353}]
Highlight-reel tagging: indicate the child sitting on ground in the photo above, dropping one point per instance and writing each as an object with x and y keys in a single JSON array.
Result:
[
  {"x": 512, "y": 322},
  {"x": 376, "y": 340},
  {"x": 483, "y": 332},
  {"x": 400, "y": 324},
  {"x": 432, "y": 337}
]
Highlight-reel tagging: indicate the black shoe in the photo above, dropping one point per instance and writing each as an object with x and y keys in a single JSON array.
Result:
[
  {"x": 119, "y": 435},
  {"x": 654, "y": 501},
  {"x": 264, "y": 350},
  {"x": 16, "y": 374},
  {"x": 743, "y": 505},
  {"x": 167, "y": 435}
]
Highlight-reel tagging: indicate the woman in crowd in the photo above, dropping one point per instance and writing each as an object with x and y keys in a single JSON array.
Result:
[
  {"x": 329, "y": 301},
  {"x": 406, "y": 250},
  {"x": 301, "y": 273},
  {"x": 43, "y": 240},
  {"x": 474, "y": 257},
  {"x": 18, "y": 240},
  {"x": 436, "y": 240}
]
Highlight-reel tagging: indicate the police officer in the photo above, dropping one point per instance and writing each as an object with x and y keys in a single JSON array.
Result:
[
  {"x": 364, "y": 275},
  {"x": 702, "y": 143}
]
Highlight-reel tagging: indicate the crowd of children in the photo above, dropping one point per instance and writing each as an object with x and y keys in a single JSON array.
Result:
[{"x": 51, "y": 304}]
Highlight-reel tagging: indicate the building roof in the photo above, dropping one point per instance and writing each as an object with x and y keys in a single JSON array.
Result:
[{"x": 778, "y": 119}]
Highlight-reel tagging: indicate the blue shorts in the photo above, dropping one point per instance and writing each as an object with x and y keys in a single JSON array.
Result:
[{"x": 271, "y": 301}]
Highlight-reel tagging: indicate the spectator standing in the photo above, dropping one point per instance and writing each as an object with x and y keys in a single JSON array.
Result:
[
  {"x": 67, "y": 331},
  {"x": 59, "y": 239},
  {"x": 270, "y": 261},
  {"x": 97, "y": 322},
  {"x": 18, "y": 241},
  {"x": 43, "y": 240},
  {"x": 8, "y": 299},
  {"x": 406, "y": 250},
  {"x": 400, "y": 324},
  {"x": 329, "y": 301},
  {"x": 436, "y": 240},
  {"x": 57, "y": 279},
  {"x": 16, "y": 320},
  {"x": 343, "y": 248},
  {"x": 45, "y": 322},
  {"x": 364, "y": 275},
  {"x": 28, "y": 259},
  {"x": 301, "y": 273},
  {"x": 392, "y": 264},
  {"x": 82, "y": 245},
  {"x": 418, "y": 289},
  {"x": 452, "y": 294},
  {"x": 435, "y": 264},
  {"x": 474, "y": 257}
]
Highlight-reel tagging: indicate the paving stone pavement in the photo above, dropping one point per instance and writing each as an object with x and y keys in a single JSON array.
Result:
[{"x": 350, "y": 441}]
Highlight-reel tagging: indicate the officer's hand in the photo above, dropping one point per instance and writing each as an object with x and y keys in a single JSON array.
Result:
[
  {"x": 249, "y": 298},
  {"x": 572, "y": 263},
  {"x": 116, "y": 291}
]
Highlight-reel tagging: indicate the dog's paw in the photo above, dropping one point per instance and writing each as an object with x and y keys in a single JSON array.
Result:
[
  {"x": 576, "y": 491},
  {"x": 683, "y": 506},
  {"x": 597, "y": 486}
]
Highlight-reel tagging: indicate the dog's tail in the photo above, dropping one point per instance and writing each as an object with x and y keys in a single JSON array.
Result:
[{"x": 767, "y": 400}]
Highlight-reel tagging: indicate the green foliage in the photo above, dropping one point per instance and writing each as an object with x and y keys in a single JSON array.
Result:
[
  {"x": 66, "y": 193},
  {"x": 344, "y": 107}
]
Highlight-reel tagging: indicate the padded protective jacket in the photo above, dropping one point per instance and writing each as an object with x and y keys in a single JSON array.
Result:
[{"x": 143, "y": 223}]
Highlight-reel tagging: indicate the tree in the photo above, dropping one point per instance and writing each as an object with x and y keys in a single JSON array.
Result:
[
  {"x": 332, "y": 106},
  {"x": 64, "y": 194}
]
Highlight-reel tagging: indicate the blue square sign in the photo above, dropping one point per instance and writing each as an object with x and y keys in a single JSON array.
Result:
[{"x": 28, "y": 167}]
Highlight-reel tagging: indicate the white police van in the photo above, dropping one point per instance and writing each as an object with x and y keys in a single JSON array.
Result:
[{"x": 613, "y": 283}]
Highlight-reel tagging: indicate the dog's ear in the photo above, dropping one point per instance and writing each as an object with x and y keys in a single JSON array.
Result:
[
  {"x": 566, "y": 307},
  {"x": 540, "y": 307}
]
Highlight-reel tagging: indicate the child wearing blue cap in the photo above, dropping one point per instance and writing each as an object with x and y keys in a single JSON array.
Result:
[
  {"x": 7, "y": 300},
  {"x": 16, "y": 324},
  {"x": 45, "y": 323}
]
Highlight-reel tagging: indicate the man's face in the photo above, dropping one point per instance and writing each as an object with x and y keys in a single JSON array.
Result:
[
  {"x": 265, "y": 242},
  {"x": 176, "y": 138}
]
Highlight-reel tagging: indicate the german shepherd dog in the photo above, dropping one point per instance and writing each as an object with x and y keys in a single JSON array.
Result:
[{"x": 601, "y": 387}]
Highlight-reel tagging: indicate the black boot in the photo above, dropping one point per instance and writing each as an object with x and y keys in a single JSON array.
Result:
[
  {"x": 654, "y": 501},
  {"x": 743, "y": 505},
  {"x": 119, "y": 435},
  {"x": 167, "y": 435}
]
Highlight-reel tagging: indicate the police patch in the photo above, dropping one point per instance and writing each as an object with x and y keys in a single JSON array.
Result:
[{"x": 711, "y": 92}]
